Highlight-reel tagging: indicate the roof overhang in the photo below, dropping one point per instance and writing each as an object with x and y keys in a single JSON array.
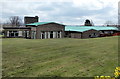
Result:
[
  {"x": 16, "y": 28},
  {"x": 42, "y": 23}
]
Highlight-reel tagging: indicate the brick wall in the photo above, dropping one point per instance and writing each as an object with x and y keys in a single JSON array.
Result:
[
  {"x": 28, "y": 20},
  {"x": 88, "y": 33},
  {"x": 49, "y": 27},
  {"x": 75, "y": 35}
]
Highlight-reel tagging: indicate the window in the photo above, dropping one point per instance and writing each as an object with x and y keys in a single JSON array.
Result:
[
  {"x": 101, "y": 32},
  {"x": 16, "y": 34},
  {"x": 58, "y": 34},
  {"x": 106, "y": 32},
  {"x": 42, "y": 35},
  {"x": 27, "y": 33},
  {"x": 111, "y": 32},
  {"x": 20, "y": 33},
  {"x": 94, "y": 35},
  {"x": 33, "y": 34},
  {"x": 13, "y": 33},
  {"x": 51, "y": 34},
  {"x": 90, "y": 36},
  {"x": 48, "y": 34}
]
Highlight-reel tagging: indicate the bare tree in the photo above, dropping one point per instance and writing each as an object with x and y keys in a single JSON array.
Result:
[
  {"x": 15, "y": 21},
  {"x": 108, "y": 23}
]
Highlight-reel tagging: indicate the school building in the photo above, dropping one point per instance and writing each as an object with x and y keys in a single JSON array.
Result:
[{"x": 45, "y": 30}]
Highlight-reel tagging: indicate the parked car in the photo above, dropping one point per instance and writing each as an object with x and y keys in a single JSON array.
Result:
[{"x": 116, "y": 34}]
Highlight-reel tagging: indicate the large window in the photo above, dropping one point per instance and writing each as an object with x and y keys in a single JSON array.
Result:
[
  {"x": 111, "y": 32},
  {"x": 106, "y": 32},
  {"x": 101, "y": 32},
  {"x": 42, "y": 35},
  {"x": 20, "y": 33},
  {"x": 13, "y": 33},
  {"x": 59, "y": 34},
  {"x": 33, "y": 35},
  {"x": 51, "y": 34},
  {"x": 90, "y": 36}
]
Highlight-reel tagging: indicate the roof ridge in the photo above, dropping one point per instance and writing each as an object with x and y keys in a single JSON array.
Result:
[{"x": 41, "y": 23}]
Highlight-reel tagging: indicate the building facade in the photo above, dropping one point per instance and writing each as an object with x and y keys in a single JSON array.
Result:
[
  {"x": 45, "y": 30},
  {"x": 20, "y": 32},
  {"x": 80, "y": 32},
  {"x": 39, "y": 30},
  {"x": 89, "y": 31},
  {"x": 28, "y": 20}
]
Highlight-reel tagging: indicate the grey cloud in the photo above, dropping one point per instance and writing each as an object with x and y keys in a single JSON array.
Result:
[
  {"x": 67, "y": 9},
  {"x": 73, "y": 11},
  {"x": 55, "y": 11},
  {"x": 67, "y": 12}
]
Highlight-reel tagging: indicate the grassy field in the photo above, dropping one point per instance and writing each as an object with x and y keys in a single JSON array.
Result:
[
  {"x": 59, "y": 57},
  {"x": 1, "y": 35}
]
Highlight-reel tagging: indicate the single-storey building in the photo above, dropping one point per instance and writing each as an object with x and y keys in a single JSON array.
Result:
[
  {"x": 80, "y": 32},
  {"x": 44, "y": 30},
  {"x": 38, "y": 30},
  {"x": 13, "y": 32},
  {"x": 88, "y": 31}
]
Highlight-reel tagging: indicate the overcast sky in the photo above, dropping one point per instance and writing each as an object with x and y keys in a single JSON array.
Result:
[{"x": 71, "y": 12}]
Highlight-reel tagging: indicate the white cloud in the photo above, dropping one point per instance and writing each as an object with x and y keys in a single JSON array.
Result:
[
  {"x": 89, "y": 4},
  {"x": 36, "y": 0},
  {"x": 66, "y": 11}
]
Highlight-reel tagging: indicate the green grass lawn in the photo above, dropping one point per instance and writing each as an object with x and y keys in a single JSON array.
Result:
[
  {"x": 1, "y": 35},
  {"x": 59, "y": 57}
]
